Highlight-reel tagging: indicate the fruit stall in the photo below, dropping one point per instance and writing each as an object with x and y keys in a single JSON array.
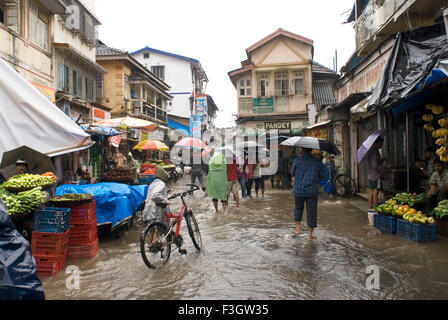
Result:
[
  {"x": 404, "y": 216},
  {"x": 58, "y": 228}
]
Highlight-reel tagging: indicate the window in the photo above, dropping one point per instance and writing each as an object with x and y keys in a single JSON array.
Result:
[
  {"x": 299, "y": 82},
  {"x": 159, "y": 71},
  {"x": 89, "y": 89},
  {"x": 99, "y": 88},
  {"x": 281, "y": 83},
  {"x": 10, "y": 14},
  {"x": 38, "y": 26},
  {"x": 245, "y": 88},
  {"x": 63, "y": 83},
  {"x": 264, "y": 84},
  {"x": 146, "y": 55},
  {"x": 75, "y": 82}
]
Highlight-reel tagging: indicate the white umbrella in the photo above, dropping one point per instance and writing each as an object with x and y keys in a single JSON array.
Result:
[
  {"x": 311, "y": 143},
  {"x": 27, "y": 118}
]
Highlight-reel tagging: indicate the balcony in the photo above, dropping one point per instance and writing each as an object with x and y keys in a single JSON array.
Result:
[
  {"x": 377, "y": 23},
  {"x": 144, "y": 110}
]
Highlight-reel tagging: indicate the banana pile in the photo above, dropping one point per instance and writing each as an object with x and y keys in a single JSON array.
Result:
[
  {"x": 443, "y": 122},
  {"x": 442, "y": 152},
  {"x": 23, "y": 202},
  {"x": 440, "y": 133},
  {"x": 435, "y": 109}
]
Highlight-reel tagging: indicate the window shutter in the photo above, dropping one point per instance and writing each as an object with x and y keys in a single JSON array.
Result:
[
  {"x": 79, "y": 91},
  {"x": 61, "y": 76},
  {"x": 12, "y": 15}
]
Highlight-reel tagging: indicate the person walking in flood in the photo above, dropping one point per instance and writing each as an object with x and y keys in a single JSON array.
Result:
[
  {"x": 375, "y": 170},
  {"x": 308, "y": 171},
  {"x": 216, "y": 183}
]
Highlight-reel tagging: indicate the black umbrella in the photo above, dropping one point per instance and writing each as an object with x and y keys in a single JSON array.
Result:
[
  {"x": 38, "y": 163},
  {"x": 311, "y": 143}
]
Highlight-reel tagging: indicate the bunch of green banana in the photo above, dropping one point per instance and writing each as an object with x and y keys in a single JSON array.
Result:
[
  {"x": 418, "y": 218},
  {"x": 27, "y": 182},
  {"x": 24, "y": 202}
]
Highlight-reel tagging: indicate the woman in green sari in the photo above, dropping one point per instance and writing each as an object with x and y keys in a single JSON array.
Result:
[{"x": 217, "y": 180}]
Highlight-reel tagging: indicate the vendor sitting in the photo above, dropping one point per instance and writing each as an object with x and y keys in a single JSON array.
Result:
[
  {"x": 426, "y": 170},
  {"x": 83, "y": 174},
  {"x": 438, "y": 184},
  {"x": 21, "y": 166}
]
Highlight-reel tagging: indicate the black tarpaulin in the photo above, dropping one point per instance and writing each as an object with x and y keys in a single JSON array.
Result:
[
  {"x": 412, "y": 60},
  {"x": 18, "y": 273}
]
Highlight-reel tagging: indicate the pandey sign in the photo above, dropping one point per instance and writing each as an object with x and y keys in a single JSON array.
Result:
[{"x": 283, "y": 127}]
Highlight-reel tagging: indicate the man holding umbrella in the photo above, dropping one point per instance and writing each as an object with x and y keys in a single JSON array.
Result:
[{"x": 308, "y": 171}]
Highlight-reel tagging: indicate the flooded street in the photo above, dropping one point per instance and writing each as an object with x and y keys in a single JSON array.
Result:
[{"x": 251, "y": 253}]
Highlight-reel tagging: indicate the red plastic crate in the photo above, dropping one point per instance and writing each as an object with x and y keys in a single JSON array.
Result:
[
  {"x": 48, "y": 266},
  {"x": 85, "y": 213},
  {"x": 83, "y": 234},
  {"x": 87, "y": 251},
  {"x": 49, "y": 244}
]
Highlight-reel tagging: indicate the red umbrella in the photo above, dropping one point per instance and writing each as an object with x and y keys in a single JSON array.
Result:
[{"x": 191, "y": 143}]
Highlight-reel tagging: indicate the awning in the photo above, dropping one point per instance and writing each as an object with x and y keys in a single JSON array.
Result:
[
  {"x": 360, "y": 107},
  {"x": 55, "y": 6},
  {"x": 28, "y": 118},
  {"x": 418, "y": 60},
  {"x": 178, "y": 126},
  {"x": 101, "y": 130},
  {"x": 320, "y": 124},
  {"x": 80, "y": 55}
]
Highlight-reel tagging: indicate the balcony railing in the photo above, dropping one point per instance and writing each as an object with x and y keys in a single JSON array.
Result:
[{"x": 148, "y": 111}]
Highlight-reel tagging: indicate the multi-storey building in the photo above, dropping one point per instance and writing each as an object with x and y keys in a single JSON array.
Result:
[
  {"x": 275, "y": 84},
  {"x": 26, "y": 33},
  {"x": 185, "y": 76},
  {"x": 130, "y": 88}
]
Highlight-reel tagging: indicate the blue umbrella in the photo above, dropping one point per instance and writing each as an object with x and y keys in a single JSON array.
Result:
[{"x": 367, "y": 145}]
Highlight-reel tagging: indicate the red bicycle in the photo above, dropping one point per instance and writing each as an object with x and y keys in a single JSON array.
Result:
[{"x": 157, "y": 238}]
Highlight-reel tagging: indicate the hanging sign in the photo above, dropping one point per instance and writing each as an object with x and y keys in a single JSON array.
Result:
[
  {"x": 115, "y": 141},
  {"x": 144, "y": 136}
]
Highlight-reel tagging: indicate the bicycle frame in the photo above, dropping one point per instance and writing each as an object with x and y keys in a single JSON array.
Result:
[{"x": 179, "y": 216}]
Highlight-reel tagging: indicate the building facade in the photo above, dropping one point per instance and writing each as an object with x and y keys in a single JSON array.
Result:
[
  {"x": 26, "y": 33},
  {"x": 377, "y": 24},
  {"x": 275, "y": 84},
  {"x": 184, "y": 75},
  {"x": 130, "y": 88}
]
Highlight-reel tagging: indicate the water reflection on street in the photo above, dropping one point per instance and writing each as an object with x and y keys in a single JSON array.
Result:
[{"x": 251, "y": 253}]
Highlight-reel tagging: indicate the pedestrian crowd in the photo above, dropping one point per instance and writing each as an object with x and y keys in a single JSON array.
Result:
[{"x": 229, "y": 177}]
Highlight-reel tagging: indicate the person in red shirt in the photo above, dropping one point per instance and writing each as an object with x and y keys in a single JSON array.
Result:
[{"x": 232, "y": 181}]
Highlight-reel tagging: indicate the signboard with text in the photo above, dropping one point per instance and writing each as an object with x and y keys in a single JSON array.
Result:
[{"x": 283, "y": 127}]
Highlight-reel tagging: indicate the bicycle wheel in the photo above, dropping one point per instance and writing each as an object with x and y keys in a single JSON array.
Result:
[
  {"x": 344, "y": 186},
  {"x": 155, "y": 245},
  {"x": 193, "y": 230}
]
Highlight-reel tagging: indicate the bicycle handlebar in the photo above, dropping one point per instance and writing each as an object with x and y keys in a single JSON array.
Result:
[{"x": 186, "y": 193}]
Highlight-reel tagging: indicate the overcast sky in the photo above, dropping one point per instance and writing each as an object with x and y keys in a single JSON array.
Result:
[{"x": 217, "y": 33}]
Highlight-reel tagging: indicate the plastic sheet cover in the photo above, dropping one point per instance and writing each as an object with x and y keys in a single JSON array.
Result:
[
  {"x": 411, "y": 64},
  {"x": 18, "y": 273},
  {"x": 115, "y": 202}
]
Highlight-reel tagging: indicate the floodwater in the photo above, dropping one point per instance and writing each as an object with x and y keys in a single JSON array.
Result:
[{"x": 251, "y": 253}]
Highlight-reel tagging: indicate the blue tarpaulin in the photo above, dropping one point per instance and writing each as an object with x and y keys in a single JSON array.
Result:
[
  {"x": 178, "y": 126},
  {"x": 115, "y": 202}
]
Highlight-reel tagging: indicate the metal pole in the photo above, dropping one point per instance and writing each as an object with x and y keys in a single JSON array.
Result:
[{"x": 407, "y": 151}]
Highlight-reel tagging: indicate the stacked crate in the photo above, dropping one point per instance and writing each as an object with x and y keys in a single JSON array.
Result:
[
  {"x": 83, "y": 242},
  {"x": 50, "y": 240}
]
